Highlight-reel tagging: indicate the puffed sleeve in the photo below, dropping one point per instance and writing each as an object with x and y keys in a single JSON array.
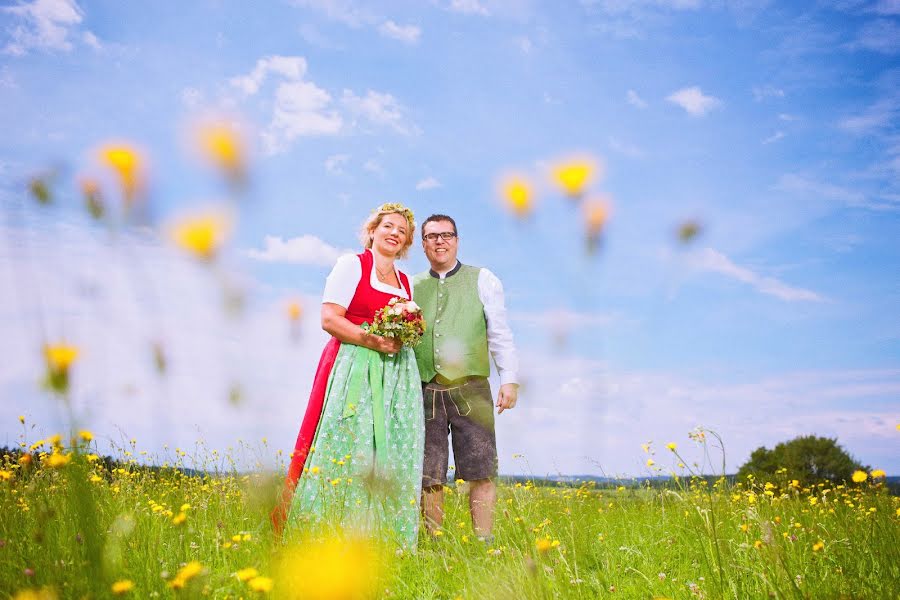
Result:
[{"x": 342, "y": 281}]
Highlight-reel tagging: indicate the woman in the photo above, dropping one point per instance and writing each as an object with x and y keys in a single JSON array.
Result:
[{"x": 358, "y": 457}]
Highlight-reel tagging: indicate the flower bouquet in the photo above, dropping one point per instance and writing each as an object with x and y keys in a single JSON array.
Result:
[{"x": 400, "y": 319}]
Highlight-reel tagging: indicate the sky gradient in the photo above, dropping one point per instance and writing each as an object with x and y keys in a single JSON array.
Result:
[{"x": 773, "y": 125}]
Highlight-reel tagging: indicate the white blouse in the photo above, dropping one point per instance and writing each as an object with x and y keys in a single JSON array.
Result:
[{"x": 344, "y": 277}]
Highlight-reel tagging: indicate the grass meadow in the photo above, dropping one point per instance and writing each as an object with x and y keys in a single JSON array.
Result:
[{"x": 76, "y": 525}]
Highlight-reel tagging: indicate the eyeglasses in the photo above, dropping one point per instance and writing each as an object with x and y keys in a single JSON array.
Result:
[{"x": 444, "y": 235}]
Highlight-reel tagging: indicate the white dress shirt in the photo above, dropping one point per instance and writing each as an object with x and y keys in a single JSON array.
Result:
[
  {"x": 499, "y": 335},
  {"x": 340, "y": 286}
]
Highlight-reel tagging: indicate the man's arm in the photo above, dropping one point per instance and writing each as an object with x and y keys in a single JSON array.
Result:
[{"x": 500, "y": 339}]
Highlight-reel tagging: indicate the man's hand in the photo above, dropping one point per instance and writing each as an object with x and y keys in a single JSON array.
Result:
[{"x": 506, "y": 398}]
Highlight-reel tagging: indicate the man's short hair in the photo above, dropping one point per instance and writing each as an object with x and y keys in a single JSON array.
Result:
[{"x": 434, "y": 218}]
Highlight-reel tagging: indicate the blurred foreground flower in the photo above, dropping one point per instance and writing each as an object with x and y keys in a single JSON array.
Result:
[
  {"x": 596, "y": 213},
  {"x": 222, "y": 145},
  {"x": 186, "y": 574},
  {"x": 122, "y": 586},
  {"x": 126, "y": 163},
  {"x": 334, "y": 570},
  {"x": 59, "y": 359},
  {"x": 44, "y": 593},
  {"x": 40, "y": 189},
  {"x": 93, "y": 201},
  {"x": 859, "y": 476},
  {"x": 294, "y": 310},
  {"x": 878, "y": 474},
  {"x": 517, "y": 195},
  {"x": 688, "y": 230},
  {"x": 573, "y": 176},
  {"x": 202, "y": 233}
]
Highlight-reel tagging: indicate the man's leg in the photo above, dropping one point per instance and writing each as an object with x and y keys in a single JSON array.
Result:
[
  {"x": 471, "y": 417},
  {"x": 433, "y": 507},
  {"x": 482, "y": 500},
  {"x": 437, "y": 451}
]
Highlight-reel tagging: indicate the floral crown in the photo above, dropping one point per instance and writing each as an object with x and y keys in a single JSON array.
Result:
[{"x": 396, "y": 207}]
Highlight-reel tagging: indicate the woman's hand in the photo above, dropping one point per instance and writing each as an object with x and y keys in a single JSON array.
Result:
[{"x": 383, "y": 344}]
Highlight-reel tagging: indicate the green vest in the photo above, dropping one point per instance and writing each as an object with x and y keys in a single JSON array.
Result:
[{"x": 455, "y": 340}]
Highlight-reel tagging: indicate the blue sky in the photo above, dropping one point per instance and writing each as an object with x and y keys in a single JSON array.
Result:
[{"x": 773, "y": 125}]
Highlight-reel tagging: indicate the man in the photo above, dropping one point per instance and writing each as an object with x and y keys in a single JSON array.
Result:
[{"x": 463, "y": 307}]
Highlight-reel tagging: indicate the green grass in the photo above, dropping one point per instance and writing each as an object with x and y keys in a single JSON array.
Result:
[{"x": 75, "y": 530}]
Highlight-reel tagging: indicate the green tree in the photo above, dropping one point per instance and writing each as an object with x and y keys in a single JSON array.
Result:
[{"x": 807, "y": 458}]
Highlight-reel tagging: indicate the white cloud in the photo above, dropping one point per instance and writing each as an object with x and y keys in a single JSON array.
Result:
[
  {"x": 191, "y": 97},
  {"x": 377, "y": 108},
  {"x": 606, "y": 413},
  {"x": 301, "y": 109},
  {"x": 524, "y": 44},
  {"x": 91, "y": 40},
  {"x": 786, "y": 117},
  {"x": 694, "y": 101},
  {"x": 879, "y": 116},
  {"x": 635, "y": 100},
  {"x": 429, "y": 183},
  {"x": 347, "y": 12},
  {"x": 887, "y": 7},
  {"x": 882, "y": 36},
  {"x": 42, "y": 25},
  {"x": 292, "y": 68},
  {"x": 713, "y": 261},
  {"x": 306, "y": 250},
  {"x": 774, "y": 137},
  {"x": 114, "y": 306},
  {"x": 792, "y": 182},
  {"x": 373, "y": 166},
  {"x": 767, "y": 91},
  {"x": 408, "y": 34},
  {"x": 335, "y": 164},
  {"x": 469, "y": 7},
  {"x": 626, "y": 149}
]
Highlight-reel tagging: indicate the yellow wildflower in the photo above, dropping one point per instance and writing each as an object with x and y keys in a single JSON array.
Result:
[
  {"x": 688, "y": 230},
  {"x": 542, "y": 545},
  {"x": 86, "y": 435},
  {"x": 247, "y": 574},
  {"x": 179, "y": 519},
  {"x": 294, "y": 310},
  {"x": 573, "y": 176},
  {"x": 596, "y": 213},
  {"x": 320, "y": 571},
  {"x": 185, "y": 574},
  {"x": 878, "y": 474},
  {"x": 202, "y": 233},
  {"x": 222, "y": 145},
  {"x": 44, "y": 593},
  {"x": 126, "y": 163},
  {"x": 859, "y": 476},
  {"x": 22, "y": 419},
  {"x": 60, "y": 357},
  {"x": 672, "y": 446},
  {"x": 5, "y": 475},
  {"x": 517, "y": 195},
  {"x": 260, "y": 584},
  {"x": 123, "y": 586},
  {"x": 58, "y": 460},
  {"x": 818, "y": 546},
  {"x": 757, "y": 544},
  {"x": 650, "y": 462}
]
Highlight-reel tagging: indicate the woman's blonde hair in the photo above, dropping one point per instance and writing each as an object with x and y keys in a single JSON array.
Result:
[{"x": 374, "y": 220}]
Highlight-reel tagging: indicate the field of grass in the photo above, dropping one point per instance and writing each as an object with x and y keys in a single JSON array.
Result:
[{"x": 73, "y": 525}]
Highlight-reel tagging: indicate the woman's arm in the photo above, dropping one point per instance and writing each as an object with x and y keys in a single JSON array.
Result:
[{"x": 333, "y": 322}]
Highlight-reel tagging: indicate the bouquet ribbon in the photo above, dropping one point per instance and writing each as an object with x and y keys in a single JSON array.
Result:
[{"x": 367, "y": 362}]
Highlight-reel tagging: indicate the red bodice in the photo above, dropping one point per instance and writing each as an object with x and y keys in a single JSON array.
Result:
[{"x": 366, "y": 299}]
